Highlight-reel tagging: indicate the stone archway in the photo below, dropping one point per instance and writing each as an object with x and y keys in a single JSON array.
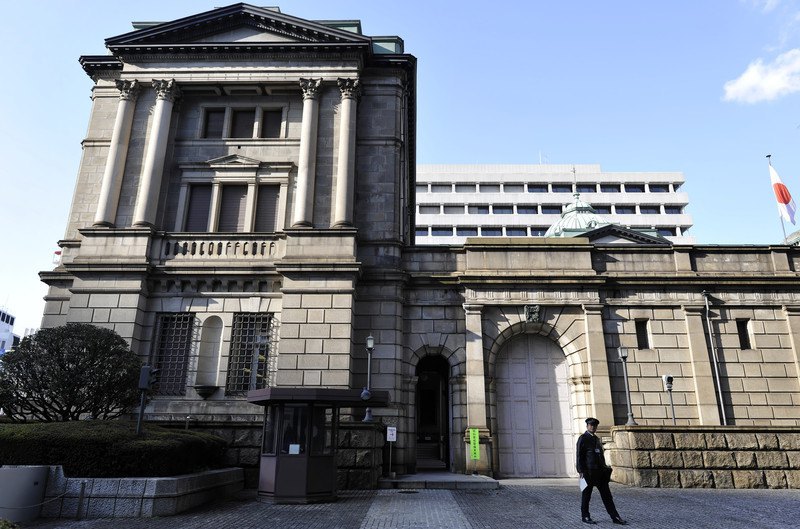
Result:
[{"x": 534, "y": 423}]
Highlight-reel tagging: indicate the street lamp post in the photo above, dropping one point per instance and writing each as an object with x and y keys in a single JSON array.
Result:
[
  {"x": 365, "y": 394},
  {"x": 623, "y": 355}
]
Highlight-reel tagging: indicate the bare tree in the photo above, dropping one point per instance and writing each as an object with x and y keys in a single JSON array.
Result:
[{"x": 68, "y": 373}]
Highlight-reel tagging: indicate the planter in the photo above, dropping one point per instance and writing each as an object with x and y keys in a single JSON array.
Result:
[{"x": 22, "y": 491}]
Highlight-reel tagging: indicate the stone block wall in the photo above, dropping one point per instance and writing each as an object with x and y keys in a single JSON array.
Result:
[
  {"x": 360, "y": 455},
  {"x": 705, "y": 457}
]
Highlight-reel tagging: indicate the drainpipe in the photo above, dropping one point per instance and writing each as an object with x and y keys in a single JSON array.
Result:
[{"x": 716, "y": 359}]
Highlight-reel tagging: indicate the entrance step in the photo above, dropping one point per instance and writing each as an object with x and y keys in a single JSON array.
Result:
[
  {"x": 424, "y": 463},
  {"x": 438, "y": 480}
]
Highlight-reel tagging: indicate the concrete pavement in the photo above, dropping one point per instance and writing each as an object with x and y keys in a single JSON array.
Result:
[{"x": 515, "y": 504}]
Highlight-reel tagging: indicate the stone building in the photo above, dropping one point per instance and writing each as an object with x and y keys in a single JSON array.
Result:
[{"x": 244, "y": 215}]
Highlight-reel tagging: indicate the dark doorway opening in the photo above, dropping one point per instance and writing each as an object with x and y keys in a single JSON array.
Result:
[{"x": 433, "y": 424}]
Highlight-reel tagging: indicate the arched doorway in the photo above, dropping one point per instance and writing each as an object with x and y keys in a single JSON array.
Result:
[
  {"x": 533, "y": 412},
  {"x": 433, "y": 424}
]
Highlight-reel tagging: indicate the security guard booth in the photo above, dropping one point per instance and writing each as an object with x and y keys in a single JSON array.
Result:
[{"x": 298, "y": 446}]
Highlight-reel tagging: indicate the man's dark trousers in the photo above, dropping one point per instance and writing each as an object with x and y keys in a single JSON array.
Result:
[{"x": 597, "y": 479}]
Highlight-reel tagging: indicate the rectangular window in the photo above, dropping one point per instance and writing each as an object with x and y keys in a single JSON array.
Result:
[
  {"x": 172, "y": 346},
  {"x": 503, "y": 209},
  {"x": 490, "y": 231},
  {"x": 441, "y": 188},
  {"x": 465, "y": 188},
  {"x": 267, "y": 209},
  {"x": 513, "y": 188},
  {"x": 442, "y": 231},
  {"x": 659, "y": 188},
  {"x": 454, "y": 210},
  {"x": 538, "y": 231},
  {"x": 642, "y": 336},
  {"x": 516, "y": 231},
  {"x": 429, "y": 210},
  {"x": 673, "y": 210},
  {"x": 634, "y": 188},
  {"x": 253, "y": 340},
  {"x": 666, "y": 232},
  {"x": 422, "y": 188},
  {"x": 551, "y": 209},
  {"x": 271, "y": 123},
  {"x": 743, "y": 328},
  {"x": 675, "y": 187},
  {"x": 478, "y": 209},
  {"x": 561, "y": 188},
  {"x": 242, "y": 122},
  {"x": 199, "y": 206},
  {"x": 490, "y": 188},
  {"x": 232, "y": 208},
  {"x": 467, "y": 231},
  {"x": 602, "y": 209},
  {"x": 214, "y": 122},
  {"x": 537, "y": 188},
  {"x": 624, "y": 210},
  {"x": 649, "y": 209},
  {"x": 586, "y": 188},
  {"x": 609, "y": 188},
  {"x": 527, "y": 210},
  {"x": 421, "y": 232}
]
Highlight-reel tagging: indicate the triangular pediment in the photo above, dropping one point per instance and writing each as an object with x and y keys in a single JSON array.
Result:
[
  {"x": 237, "y": 24},
  {"x": 233, "y": 160},
  {"x": 615, "y": 234}
]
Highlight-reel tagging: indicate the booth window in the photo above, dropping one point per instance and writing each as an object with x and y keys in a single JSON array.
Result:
[
  {"x": 268, "y": 439},
  {"x": 322, "y": 422},
  {"x": 293, "y": 436}
]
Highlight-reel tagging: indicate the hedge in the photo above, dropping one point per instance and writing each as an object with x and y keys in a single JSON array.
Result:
[{"x": 110, "y": 448}]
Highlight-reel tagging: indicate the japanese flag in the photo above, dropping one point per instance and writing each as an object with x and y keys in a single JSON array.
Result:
[{"x": 786, "y": 206}]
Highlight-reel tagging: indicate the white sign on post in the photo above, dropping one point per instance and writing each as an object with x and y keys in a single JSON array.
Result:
[{"x": 391, "y": 433}]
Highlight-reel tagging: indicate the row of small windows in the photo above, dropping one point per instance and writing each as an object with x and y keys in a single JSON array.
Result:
[
  {"x": 742, "y": 330},
  {"x": 6, "y": 318},
  {"x": 229, "y": 122},
  {"x": 547, "y": 188},
  {"x": 544, "y": 209},
  {"x": 231, "y": 208},
  {"x": 508, "y": 231}
]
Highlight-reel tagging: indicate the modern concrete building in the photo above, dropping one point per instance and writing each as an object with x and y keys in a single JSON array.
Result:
[
  {"x": 7, "y": 337},
  {"x": 459, "y": 201},
  {"x": 244, "y": 216}
]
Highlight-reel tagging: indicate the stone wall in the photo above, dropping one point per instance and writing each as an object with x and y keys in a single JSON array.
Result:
[{"x": 706, "y": 457}]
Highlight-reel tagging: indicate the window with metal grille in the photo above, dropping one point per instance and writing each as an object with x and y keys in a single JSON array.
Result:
[
  {"x": 232, "y": 208},
  {"x": 199, "y": 206},
  {"x": 173, "y": 344},
  {"x": 267, "y": 208},
  {"x": 254, "y": 341}
]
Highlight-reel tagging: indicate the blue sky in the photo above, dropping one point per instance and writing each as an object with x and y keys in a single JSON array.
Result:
[{"x": 705, "y": 88}]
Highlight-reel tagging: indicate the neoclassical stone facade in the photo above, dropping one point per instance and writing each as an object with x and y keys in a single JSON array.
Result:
[{"x": 244, "y": 217}]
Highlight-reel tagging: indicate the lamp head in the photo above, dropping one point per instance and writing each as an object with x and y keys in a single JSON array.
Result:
[
  {"x": 370, "y": 342},
  {"x": 623, "y": 353},
  {"x": 365, "y": 394}
]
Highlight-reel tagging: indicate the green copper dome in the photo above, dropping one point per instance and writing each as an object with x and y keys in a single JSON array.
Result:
[{"x": 578, "y": 217}]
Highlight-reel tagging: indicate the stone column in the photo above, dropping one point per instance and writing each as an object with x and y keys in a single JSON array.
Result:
[
  {"x": 307, "y": 163},
  {"x": 345, "y": 170},
  {"x": 793, "y": 322},
  {"x": 117, "y": 154},
  {"x": 153, "y": 169},
  {"x": 703, "y": 371},
  {"x": 600, "y": 384},
  {"x": 476, "y": 389}
]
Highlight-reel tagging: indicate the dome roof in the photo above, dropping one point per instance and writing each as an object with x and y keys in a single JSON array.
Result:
[
  {"x": 793, "y": 239},
  {"x": 577, "y": 218}
]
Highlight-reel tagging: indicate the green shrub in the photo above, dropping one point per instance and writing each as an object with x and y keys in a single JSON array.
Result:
[
  {"x": 5, "y": 524},
  {"x": 110, "y": 448}
]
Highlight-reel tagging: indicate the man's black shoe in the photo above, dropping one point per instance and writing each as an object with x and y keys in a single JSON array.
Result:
[
  {"x": 619, "y": 521},
  {"x": 588, "y": 520}
]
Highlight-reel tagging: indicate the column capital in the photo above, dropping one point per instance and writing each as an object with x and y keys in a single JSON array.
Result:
[
  {"x": 310, "y": 87},
  {"x": 128, "y": 90},
  {"x": 350, "y": 88},
  {"x": 473, "y": 309},
  {"x": 693, "y": 309},
  {"x": 166, "y": 90},
  {"x": 593, "y": 308},
  {"x": 792, "y": 310}
]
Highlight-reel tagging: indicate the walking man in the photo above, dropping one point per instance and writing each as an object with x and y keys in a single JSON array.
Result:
[{"x": 592, "y": 467}]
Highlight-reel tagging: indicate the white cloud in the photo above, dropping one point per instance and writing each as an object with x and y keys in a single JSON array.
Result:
[{"x": 765, "y": 82}]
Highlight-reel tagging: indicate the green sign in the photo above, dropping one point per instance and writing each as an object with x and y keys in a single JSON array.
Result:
[{"x": 474, "y": 444}]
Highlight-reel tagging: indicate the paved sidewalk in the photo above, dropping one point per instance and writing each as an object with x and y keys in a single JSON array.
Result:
[{"x": 516, "y": 504}]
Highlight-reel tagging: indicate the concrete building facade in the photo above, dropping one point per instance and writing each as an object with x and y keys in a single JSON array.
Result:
[{"x": 244, "y": 217}]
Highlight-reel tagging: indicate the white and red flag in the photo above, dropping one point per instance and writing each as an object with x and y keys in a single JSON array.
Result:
[{"x": 786, "y": 206}]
